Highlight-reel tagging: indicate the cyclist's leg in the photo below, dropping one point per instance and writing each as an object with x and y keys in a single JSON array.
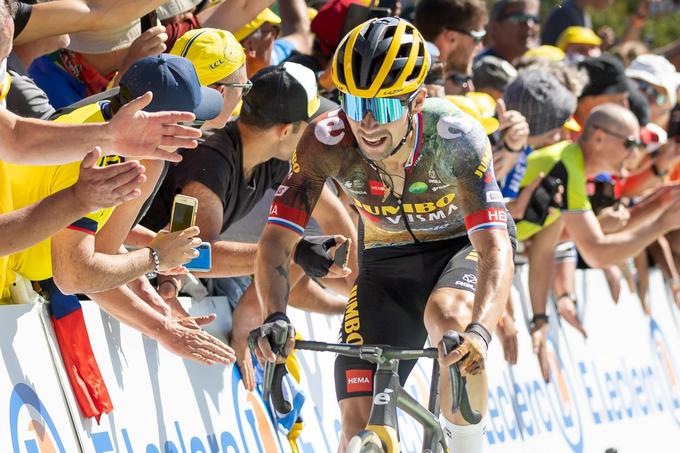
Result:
[
  {"x": 385, "y": 307},
  {"x": 450, "y": 307}
]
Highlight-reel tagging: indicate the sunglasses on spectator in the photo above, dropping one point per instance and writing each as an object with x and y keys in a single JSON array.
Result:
[
  {"x": 520, "y": 18},
  {"x": 246, "y": 86},
  {"x": 476, "y": 35},
  {"x": 461, "y": 80},
  {"x": 631, "y": 143},
  {"x": 384, "y": 110},
  {"x": 651, "y": 92}
]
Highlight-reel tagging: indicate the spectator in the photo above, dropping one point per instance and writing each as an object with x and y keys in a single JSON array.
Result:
[
  {"x": 568, "y": 13},
  {"x": 579, "y": 43},
  {"x": 607, "y": 84},
  {"x": 456, "y": 27},
  {"x": 629, "y": 51},
  {"x": 492, "y": 75},
  {"x": 231, "y": 172},
  {"x": 219, "y": 60},
  {"x": 513, "y": 29},
  {"x": 91, "y": 62},
  {"x": 609, "y": 143},
  {"x": 131, "y": 133},
  {"x": 259, "y": 36},
  {"x": 658, "y": 80}
]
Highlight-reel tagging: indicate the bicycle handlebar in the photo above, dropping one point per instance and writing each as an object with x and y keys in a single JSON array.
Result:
[{"x": 380, "y": 354}]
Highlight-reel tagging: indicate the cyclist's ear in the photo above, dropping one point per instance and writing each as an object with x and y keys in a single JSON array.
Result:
[{"x": 418, "y": 103}]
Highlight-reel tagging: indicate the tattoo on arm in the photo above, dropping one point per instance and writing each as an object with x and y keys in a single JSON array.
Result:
[{"x": 283, "y": 272}]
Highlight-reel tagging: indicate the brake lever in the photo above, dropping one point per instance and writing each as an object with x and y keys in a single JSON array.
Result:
[{"x": 460, "y": 400}]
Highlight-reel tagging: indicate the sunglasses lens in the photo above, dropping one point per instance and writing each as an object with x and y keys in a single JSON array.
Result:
[
  {"x": 384, "y": 110},
  {"x": 246, "y": 89}
]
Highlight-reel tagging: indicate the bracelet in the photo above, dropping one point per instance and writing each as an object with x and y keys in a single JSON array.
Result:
[
  {"x": 480, "y": 331},
  {"x": 156, "y": 263},
  {"x": 505, "y": 145},
  {"x": 658, "y": 173},
  {"x": 540, "y": 317}
]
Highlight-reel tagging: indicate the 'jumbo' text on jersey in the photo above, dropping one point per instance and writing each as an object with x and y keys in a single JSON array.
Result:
[{"x": 449, "y": 187}]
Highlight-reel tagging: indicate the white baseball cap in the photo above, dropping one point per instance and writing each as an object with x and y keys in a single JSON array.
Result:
[{"x": 656, "y": 70}]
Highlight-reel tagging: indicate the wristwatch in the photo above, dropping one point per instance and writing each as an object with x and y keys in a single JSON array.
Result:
[{"x": 541, "y": 318}]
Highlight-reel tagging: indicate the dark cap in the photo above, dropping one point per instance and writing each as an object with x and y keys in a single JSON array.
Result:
[
  {"x": 541, "y": 98},
  {"x": 286, "y": 93},
  {"x": 174, "y": 84},
  {"x": 493, "y": 72},
  {"x": 606, "y": 75}
]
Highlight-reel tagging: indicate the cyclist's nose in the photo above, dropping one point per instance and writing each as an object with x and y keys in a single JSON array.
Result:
[{"x": 369, "y": 121}]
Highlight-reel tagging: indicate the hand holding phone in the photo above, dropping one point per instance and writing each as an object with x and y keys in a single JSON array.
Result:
[
  {"x": 542, "y": 200},
  {"x": 203, "y": 262}
]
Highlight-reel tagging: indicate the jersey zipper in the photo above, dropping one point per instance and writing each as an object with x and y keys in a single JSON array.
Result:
[{"x": 408, "y": 226}]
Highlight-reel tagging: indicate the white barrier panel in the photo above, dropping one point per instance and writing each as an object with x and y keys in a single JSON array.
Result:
[
  {"x": 35, "y": 417},
  {"x": 620, "y": 388}
]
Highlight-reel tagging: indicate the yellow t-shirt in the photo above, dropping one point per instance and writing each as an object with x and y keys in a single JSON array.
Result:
[
  {"x": 30, "y": 184},
  {"x": 5, "y": 207},
  {"x": 563, "y": 160}
]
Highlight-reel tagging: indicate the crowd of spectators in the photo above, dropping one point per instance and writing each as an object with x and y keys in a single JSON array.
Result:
[{"x": 584, "y": 126}]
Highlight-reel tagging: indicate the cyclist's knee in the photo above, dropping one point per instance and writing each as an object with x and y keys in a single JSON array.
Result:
[
  {"x": 354, "y": 414},
  {"x": 447, "y": 308}
]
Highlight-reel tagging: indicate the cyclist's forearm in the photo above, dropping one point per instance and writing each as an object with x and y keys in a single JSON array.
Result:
[
  {"x": 494, "y": 276},
  {"x": 272, "y": 276}
]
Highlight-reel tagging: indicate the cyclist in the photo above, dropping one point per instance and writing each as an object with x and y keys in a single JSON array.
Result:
[{"x": 433, "y": 222}]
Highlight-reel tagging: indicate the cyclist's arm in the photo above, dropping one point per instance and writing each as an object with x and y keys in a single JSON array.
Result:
[
  {"x": 486, "y": 220},
  {"x": 288, "y": 216}
]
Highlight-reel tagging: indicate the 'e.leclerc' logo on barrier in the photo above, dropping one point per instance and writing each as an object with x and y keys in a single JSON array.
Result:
[
  {"x": 562, "y": 399},
  {"x": 667, "y": 368},
  {"x": 35, "y": 420}
]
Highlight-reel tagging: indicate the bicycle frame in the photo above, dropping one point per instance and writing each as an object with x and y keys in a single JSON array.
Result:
[{"x": 388, "y": 394}]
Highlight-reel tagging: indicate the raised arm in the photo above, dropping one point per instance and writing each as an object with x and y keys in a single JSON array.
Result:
[
  {"x": 232, "y": 15},
  {"x": 71, "y": 16},
  {"x": 131, "y": 133}
]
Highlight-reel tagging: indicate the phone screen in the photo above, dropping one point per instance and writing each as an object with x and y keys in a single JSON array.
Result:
[{"x": 182, "y": 215}]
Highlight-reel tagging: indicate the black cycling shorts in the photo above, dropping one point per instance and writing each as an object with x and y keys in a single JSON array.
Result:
[{"x": 387, "y": 303}]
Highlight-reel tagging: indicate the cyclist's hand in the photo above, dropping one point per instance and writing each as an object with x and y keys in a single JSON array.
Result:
[
  {"x": 507, "y": 333},
  {"x": 313, "y": 255},
  {"x": 471, "y": 354},
  {"x": 274, "y": 340},
  {"x": 539, "y": 340}
]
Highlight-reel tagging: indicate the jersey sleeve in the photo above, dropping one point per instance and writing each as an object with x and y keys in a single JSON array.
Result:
[
  {"x": 466, "y": 152},
  {"x": 299, "y": 192},
  {"x": 67, "y": 175}
]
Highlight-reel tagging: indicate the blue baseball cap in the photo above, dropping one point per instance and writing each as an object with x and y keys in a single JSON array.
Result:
[{"x": 175, "y": 86}]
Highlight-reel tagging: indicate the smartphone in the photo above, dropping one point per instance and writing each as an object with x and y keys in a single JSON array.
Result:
[
  {"x": 149, "y": 21},
  {"x": 542, "y": 199},
  {"x": 203, "y": 262},
  {"x": 342, "y": 253},
  {"x": 183, "y": 212}
]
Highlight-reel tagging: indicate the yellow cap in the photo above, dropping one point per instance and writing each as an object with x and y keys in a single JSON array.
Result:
[
  {"x": 572, "y": 125},
  {"x": 548, "y": 52},
  {"x": 485, "y": 103},
  {"x": 4, "y": 87},
  {"x": 215, "y": 53},
  {"x": 469, "y": 106},
  {"x": 267, "y": 15},
  {"x": 577, "y": 35}
]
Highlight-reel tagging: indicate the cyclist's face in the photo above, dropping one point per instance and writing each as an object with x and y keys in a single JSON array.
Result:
[{"x": 377, "y": 140}]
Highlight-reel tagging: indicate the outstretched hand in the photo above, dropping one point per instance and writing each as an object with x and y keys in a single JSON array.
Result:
[{"x": 139, "y": 134}]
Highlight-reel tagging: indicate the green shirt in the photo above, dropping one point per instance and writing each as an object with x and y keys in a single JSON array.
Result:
[{"x": 563, "y": 160}]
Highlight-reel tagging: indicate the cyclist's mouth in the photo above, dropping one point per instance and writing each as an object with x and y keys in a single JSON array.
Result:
[{"x": 374, "y": 143}]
